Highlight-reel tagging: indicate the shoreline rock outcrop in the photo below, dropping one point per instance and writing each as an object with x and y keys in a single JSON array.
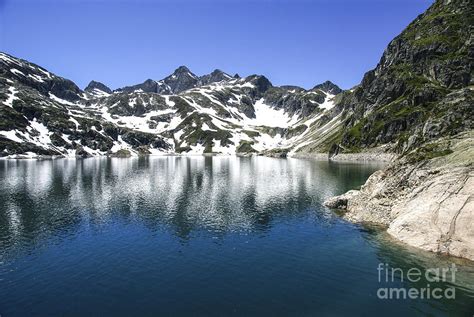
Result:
[{"x": 427, "y": 204}]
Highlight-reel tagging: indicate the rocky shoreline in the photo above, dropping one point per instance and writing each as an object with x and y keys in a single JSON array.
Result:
[
  {"x": 364, "y": 157},
  {"x": 343, "y": 157},
  {"x": 378, "y": 154},
  {"x": 427, "y": 204}
]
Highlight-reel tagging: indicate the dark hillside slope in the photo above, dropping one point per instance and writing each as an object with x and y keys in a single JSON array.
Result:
[{"x": 420, "y": 90}]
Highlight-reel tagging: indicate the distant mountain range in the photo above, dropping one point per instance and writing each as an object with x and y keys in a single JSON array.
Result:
[{"x": 44, "y": 114}]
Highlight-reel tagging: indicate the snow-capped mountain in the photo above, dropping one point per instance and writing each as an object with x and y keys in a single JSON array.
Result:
[
  {"x": 98, "y": 89},
  {"x": 44, "y": 114},
  {"x": 180, "y": 80}
]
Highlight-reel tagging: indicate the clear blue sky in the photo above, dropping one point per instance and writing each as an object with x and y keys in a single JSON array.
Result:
[{"x": 119, "y": 43}]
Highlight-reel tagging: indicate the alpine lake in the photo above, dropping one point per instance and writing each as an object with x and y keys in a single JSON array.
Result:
[{"x": 203, "y": 236}]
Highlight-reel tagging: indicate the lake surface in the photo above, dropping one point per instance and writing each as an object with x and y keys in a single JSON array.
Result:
[{"x": 201, "y": 236}]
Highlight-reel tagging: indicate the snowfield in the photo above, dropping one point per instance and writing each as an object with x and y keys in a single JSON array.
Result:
[{"x": 270, "y": 117}]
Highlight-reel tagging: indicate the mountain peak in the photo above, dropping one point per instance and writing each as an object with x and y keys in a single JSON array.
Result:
[
  {"x": 261, "y": 82},
  {"x": 217, "y": 75},
  {"x": 182, "y": 69},
  {"x": 96, "y": 85},
  {"x": 182, "y": 79},
  {"x": 329, "y": 87}
]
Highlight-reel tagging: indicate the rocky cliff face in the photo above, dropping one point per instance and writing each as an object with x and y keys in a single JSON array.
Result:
[
  {"x": 418, "y": 103},
  {"x": 420, "y": 90}
]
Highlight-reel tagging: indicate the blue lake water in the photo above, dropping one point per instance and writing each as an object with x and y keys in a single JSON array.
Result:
[{"x": 200, "y": 236}]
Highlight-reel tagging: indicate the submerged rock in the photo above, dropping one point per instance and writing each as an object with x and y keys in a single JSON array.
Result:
[
  {"x": 121, "y": 153},
  {"x": 80, "y": 152}
]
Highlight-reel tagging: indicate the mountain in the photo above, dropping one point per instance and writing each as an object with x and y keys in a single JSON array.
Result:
[
  {"x": 148, "y": 85},
  {"x": 180, "y": 80},
  {"x": 421, "y": 89},
  {"x": 33, "y": 76},
  {"x": 182, "y": 113},
  {"x": 98, "y": 89},
  {"x": 418, "y": 105},
  {"x": 328, "y": 87},
  {"x": 216, "y": 76}
]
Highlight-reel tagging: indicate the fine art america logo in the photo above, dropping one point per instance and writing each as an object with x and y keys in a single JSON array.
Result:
[{"x": 426, "y": 283}]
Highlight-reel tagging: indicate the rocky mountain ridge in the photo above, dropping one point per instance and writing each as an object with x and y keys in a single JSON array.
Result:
[
  {"x": 214, "y": 113},
  {"x": 180, "y": 80},
  {"x": 420, "y": 90}
]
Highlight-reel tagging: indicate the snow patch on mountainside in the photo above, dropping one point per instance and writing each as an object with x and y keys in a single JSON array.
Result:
[
  {"x": 11, "y": 97},
  {"x": 37, "y": 133},
  {"x": 99, "y": 93},
  {"x": 12, "y": 135},
  {"x": 270, "y": 117},
  {"x": 61, "y": 101},
  {"x": 328, "y": 102}
]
